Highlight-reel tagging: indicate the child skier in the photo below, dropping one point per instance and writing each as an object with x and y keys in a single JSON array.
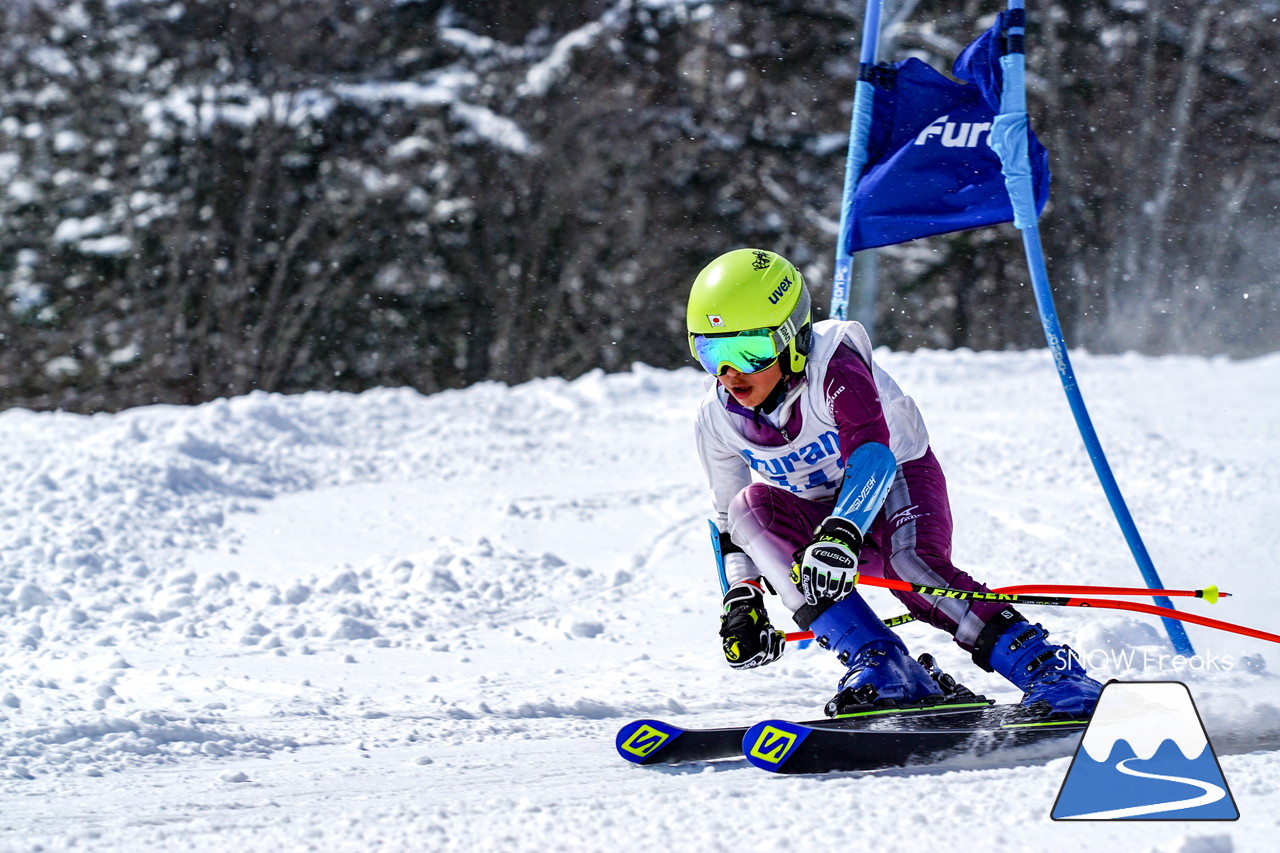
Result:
[{"x": 820, "y": 468}]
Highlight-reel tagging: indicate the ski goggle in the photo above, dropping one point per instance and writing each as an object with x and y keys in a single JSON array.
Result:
[{"x": 745, "y": 352}]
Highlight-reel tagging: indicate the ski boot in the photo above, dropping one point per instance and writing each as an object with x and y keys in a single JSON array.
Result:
[
  {"x": 881, "y": 672},
  {"x": 1051, "y": 677}
]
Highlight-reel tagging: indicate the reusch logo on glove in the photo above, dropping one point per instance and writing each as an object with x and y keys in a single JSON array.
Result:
[{"x": 835, "y": 556}]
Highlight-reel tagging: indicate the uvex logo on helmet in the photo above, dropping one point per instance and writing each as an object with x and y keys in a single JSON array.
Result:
[{"x": 780, "y": 291}]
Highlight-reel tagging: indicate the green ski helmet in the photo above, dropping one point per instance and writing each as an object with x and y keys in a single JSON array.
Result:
[{"x": 746, "y": 308}]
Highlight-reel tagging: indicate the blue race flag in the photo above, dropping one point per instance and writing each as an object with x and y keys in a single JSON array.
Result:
[{"x": 930, "y": 168}]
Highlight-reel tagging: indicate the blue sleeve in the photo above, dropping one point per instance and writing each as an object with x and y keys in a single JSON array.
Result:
[
  {"x": 719, "y": 555},
  {"x": 868, "y": 474}
]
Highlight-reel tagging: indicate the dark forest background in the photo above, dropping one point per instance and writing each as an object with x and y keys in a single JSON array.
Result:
[{"x": 201, "y": 198}]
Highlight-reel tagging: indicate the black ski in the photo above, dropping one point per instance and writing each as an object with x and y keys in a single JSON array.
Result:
[
  {"x": 780, "y": 746},
  {"x": 660, "y": 742}
]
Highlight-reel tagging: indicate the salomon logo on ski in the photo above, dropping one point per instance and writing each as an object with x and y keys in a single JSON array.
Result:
[
  {"x": 769, "y": 743},
  {"x": 644, "y": 741},
  {"x": 639, "y": 741},
  {"x": 772, "y": 744}
]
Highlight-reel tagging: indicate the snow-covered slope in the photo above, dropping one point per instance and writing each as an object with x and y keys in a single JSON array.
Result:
[{"x": 391, "y": 621}]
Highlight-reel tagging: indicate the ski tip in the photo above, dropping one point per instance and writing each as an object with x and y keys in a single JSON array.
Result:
[
  {"x": 768, "y": 744},
  {"x": 642, "y": 740}
]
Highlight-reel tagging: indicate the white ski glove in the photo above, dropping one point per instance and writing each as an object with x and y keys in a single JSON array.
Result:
[{"x": 827, "y": 567}]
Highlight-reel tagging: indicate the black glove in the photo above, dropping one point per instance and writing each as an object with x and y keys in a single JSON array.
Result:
[
  {"x": 748, "y": 638},
  {"x": 827, "y": 566}
]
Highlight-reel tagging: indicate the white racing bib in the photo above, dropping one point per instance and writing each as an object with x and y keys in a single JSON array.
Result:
[{"x": 808, "y": 463}]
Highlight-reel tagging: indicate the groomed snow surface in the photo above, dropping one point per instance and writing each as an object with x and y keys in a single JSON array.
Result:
[{"x": 403, "y": 622}]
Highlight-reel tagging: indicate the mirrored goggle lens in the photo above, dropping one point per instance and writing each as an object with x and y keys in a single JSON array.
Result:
[{"x": 746, "y": 352}]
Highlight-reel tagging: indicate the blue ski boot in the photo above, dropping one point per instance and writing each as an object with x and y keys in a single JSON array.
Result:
[
  {"x": 881, "y": 672},
  {"x": 1051, "y": 677}
]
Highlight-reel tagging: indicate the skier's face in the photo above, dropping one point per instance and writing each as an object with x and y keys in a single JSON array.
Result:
[{"x": 751, "y": 389}]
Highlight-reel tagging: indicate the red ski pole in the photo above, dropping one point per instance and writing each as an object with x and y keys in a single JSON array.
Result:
[{"x": 1029, "y": 594}]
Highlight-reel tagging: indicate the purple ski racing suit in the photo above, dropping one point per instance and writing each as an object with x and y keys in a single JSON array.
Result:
[{"x": 776, "y": 475}]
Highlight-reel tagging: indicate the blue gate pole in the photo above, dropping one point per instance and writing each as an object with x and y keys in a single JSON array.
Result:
[
  {"x": 1009, "y": 139},
  {"x": 855, "y": 160}
]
